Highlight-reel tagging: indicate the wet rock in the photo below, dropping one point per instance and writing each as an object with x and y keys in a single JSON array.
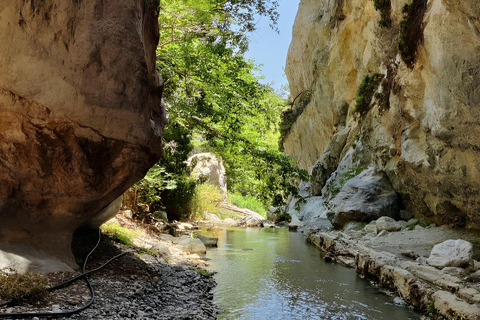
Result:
[
  {"x": 365, "y": 197},
  {"x": 268, "y": 224},
  {"x": 387, "y": 224},
  {"x": 295, "y": 223},
  {"x": 451, "y": 253},
  {"x": 192, "y": 246},
  {"x": 208, "y": 241}
]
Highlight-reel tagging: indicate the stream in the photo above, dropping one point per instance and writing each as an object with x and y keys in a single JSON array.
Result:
[{"x": 274, "y": 274}]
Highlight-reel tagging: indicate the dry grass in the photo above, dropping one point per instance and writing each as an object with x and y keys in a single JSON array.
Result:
[{"x": 29, "y": 286}]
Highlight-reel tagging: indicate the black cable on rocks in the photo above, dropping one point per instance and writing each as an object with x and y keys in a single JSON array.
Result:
[{"x": 62, "y": 285}]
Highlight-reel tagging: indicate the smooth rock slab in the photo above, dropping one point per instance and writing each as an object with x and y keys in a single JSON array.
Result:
[{"x": 451, "y": 253}]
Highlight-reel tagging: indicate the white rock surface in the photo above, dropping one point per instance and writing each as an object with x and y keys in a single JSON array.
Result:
[
  {"x": 451, "y": 253},
  {"x": 208, "y": 168}
]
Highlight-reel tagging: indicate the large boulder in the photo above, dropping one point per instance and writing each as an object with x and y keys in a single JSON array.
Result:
[
  {"x": 451, "y": 253},
  {"x": 206, "y": 167},
  {"x": 365, "y": 197},
  {"x": 81, "y": 116}
]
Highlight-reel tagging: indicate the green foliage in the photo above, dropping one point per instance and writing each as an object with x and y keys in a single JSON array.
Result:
[
  {"x": 205, "y": 273},
  {"x": 431, "y": 307},
  {"x": 291, "y": 113},
  {"x": 384, "y": 6},
  {"x": 207, "y": 198},
  {"x": 336, "y": 186},
  {"x": 29, "y": 286},
  {"x": 118, "y": 233},
  {"x": 150, "y": 252},
  {"x": 283, "y": 216},
  {"x": 247, "y": 202},
  {"x": 365, "y": 92},
  {"x": 411, "y": 33},
  {"x": 215, "y": 101}
]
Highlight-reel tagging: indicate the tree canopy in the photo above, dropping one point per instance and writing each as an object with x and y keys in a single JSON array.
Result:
[{"x": 216, "y": 103}]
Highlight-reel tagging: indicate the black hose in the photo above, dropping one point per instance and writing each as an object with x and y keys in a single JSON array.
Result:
[{"x": 62, "y": 285}]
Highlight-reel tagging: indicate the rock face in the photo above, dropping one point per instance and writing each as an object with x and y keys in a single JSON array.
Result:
[
  {"x": 365, "y": 197},
  {"x": 206, "y": 167},
  {"x": 81, "y": 116},
  {"x": 420, "y": 125}
]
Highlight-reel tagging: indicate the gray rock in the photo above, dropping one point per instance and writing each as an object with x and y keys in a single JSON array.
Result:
[
  {"x": 370, "y": 228},
  {"x": 192, "y": 246},
  {"x": 406, "y": 215},
  {"x": 354, "y": 225},
  {"x": 451, "y": 253},
  {"x": 388, "y": 224},
  {"x": 206, "y": 167},
  {"x": 412, "y": 222},
  {"x": 382, "y": 233},
  {"x": 365, "y": 197},
  {"x": 328, "y": 161},
  {"x": 249, "y": 222},
  {"x": 208, "y": 241}
]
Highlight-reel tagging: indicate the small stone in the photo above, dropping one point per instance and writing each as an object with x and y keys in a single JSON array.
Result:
[
  {"x": 370, "y": 228},
  {"x": 410, "y": 254},
  {"x": 382, "y": 233},
  {"x": 419, "y": 227},
  {"x": 398, "y": 301}
]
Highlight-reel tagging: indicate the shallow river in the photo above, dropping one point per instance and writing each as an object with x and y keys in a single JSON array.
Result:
[{"x": 274, "y": 274}]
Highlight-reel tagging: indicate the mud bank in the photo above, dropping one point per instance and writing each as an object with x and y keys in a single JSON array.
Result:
[{"x": 451, "y": 293}]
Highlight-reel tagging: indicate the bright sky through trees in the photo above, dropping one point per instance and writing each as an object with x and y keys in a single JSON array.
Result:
[{"x": 270, "y": 48}]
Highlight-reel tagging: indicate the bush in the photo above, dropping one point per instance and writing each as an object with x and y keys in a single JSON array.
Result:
[
  {"x": 384, "y": 6},
  {"x": 290, "y": 115},
  {"x": 30, "y": 286},
  {"x": 247, "y": 202},
  {"x": 207, "y": 198},
  {"x": 411, "y": 33},
  {"x": 118, "y": 233},
  {"x": 365, "y": 92}
]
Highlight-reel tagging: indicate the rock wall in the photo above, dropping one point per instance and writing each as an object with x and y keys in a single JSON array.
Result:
[
  {"x": 81, "y": 116},
  {"x": 421, "y": 126}
]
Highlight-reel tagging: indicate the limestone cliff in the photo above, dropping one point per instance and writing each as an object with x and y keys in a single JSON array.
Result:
[
  {"x": 80, "y": 113},
  {"x": 420, "y": 124}
]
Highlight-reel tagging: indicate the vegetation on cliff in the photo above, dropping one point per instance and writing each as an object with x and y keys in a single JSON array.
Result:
[{"x": 216, "y": 104}]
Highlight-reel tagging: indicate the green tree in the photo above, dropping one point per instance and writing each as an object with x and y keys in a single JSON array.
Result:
[{"x": 212, "y": 94}]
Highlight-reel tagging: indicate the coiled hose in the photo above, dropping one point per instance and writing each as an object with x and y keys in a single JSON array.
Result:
[{"x": 62, "y": 285}]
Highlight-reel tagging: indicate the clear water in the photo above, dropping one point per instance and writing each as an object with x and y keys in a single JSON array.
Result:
[{"x": 274, "y": 274}]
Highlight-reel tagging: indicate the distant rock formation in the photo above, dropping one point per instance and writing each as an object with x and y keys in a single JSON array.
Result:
[
  {"x": 81, "y": 117},
  {"x": 396, "y": 88},
  {"x": 206, "y": 167}
]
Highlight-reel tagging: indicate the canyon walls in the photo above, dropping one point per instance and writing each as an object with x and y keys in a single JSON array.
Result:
[
  {"x": 397, "y": 88},
  {"x": 81, "y": 116}
]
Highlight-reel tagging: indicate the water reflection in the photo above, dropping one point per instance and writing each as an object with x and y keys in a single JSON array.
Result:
[{"x": 284, "y": 278}]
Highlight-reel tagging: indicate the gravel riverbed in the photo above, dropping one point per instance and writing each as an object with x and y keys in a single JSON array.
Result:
[{"x": 135, "y": 286}]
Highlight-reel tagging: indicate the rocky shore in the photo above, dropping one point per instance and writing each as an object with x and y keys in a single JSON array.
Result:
[
  {"x": 162, "y": 282},
  {"x": 397, "y": 261}
]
